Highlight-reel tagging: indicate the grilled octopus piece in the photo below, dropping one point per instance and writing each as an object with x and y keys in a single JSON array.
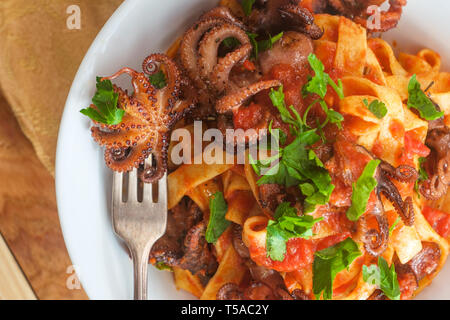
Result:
[
  {"x": 375, "y": 240},
  {"x": 184, "y": 245},
  {"x": 150, "y": 113},
  {"x": 438, "y": 140},
  {"x": 267, "y": 284}
]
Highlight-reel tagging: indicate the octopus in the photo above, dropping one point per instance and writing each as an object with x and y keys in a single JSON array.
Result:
[
  {"x": 184, "y": 244},
  {"x": 150, "y": 113},
  {"x": 199, "y": 54},
  {"x": 214, "y": 75},
  {"x": 376, "y": 239},
  {"x": 438, "y": 140},
  {"x": 274, "y": 16},
  {"x": 266, "y": 284}
]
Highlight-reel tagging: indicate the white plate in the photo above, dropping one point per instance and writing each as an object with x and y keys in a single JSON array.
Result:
[{"x": 83, "y": 183}]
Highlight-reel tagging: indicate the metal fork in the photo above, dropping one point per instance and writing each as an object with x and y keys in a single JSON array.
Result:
[{"x": 139, "y": 224}]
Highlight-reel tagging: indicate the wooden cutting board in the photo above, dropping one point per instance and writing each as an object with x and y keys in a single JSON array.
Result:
[{"x": 13, "y": 284}]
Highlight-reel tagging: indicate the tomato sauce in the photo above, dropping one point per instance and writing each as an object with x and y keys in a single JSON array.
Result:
[
  {"x": 299, "y": 253},
  {"x": 439, "y": 221},
  {"x": 248, "y": 117},
  {"x": 413, "y": 146}
]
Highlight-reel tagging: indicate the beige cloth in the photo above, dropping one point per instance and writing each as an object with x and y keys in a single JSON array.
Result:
[{"x": 39, "y": 57}]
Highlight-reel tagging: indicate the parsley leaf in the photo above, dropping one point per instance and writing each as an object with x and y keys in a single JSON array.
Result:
[
  {"x": 162, "y": 266},
  {"x": 296, "y": 164},
  {"x": 217, "y": 223},
  {"x": 423, "y": 175},
  {"x": 247, "y": 6},
  {"x": 158, "y": 79},
  {"x": 418, "y": 100},
  {"x": 231, "y": 43},
  {"x": 362, "y": 189},
  {"x": 105, "y": 101},
  {"x": 263, "y": 45},
  {"x": 286, "y": 225},
  {"x": 391, "y": 229},
  {"x": 319, "y": 85},
  {"x": 377, "y": 107},
  {"x": 384, "y": 277},
  {"x": 329, "y": 262},
  {"x": 277, "y": 98}
]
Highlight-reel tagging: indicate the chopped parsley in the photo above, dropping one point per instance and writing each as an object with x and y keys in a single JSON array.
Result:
[
  {"x": 329, "y": 262},
  {"x": 162, "y": 266},
  {"x": 247, "y": 6},
  {"x": 377, "y": 107},
  {"x": 262, "y": 45},
  {"x": 383, "y": 277},
  {"x": 287, "y": 224},
  {"x": 391, "y": 229},
  {"x": 418, "y": 100},
  {"x": 217, "y": 223},
  {"x": 319, "y": 85},
  {"x": 105, "y": 102},
  {"x": 158, "y": 79},
  {"x": 423, "y": 175},
  {"x": 231, "y": 43},
  {"x": 362, "y": 189},
  {"x": 295, "y": 164}
]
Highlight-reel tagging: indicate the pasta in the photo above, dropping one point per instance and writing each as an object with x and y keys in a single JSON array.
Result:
[{"x": 372, "y": 185}]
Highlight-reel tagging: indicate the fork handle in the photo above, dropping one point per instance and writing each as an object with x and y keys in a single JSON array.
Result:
[{"x": 140, "y": 265}]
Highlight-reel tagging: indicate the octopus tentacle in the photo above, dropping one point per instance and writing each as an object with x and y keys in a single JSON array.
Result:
[
  {"x": 236, "y": 99},
  {"x": 223, "y": 13},
  {"x": 189, "y": 45},
  {"x": 404, "y": 208},
  {"x": 433, "y": 188},
  {"x": 123, "y": 159},
  {"x": 443, "y": 171},
  {"x": 209, "y": 46},
  {"x": 230, "y": 291},
  {"x": 402, "y": 173},
  {"x": 169, "y": 94},
  {"x": 438, "y": 140},
  {"x": 150, "y": 113},
  {"x": 301, "y": 20},
  {"x": 376, "y": 240},
  {"x": 221, "y": 72}
]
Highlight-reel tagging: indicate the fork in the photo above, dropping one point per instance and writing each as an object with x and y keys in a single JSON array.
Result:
[{"x": 139, "y": 224}]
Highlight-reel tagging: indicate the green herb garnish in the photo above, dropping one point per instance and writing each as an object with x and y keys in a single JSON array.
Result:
[
  {"x": 162, "y": 266},
  {"x": 262, "y": 45},
  {"x": 391, "y": 229},
  {"x": 158, "y": 79},
  {"x": 247, "y": 6},
  {"x": 319, "y": 85},
  {"x": 418, "y": 100},
  {"x": 377, "y": 107},
  {"x": 286, "y": 225},
  {"x": 105, "y": 102},
  {"x": 383, "y": 277},
  {"x": 217, "y": 223},
  {"x": 329, "y": 262},
  {"x": 362, "y": 189},
  {"x": 295, "y": 164}
]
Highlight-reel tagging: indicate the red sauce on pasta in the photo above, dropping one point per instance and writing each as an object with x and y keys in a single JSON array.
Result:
[{"x": 439, "y": 220}]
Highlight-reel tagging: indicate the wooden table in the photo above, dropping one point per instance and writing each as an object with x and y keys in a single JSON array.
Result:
[{"x": 33, "y": 258}]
